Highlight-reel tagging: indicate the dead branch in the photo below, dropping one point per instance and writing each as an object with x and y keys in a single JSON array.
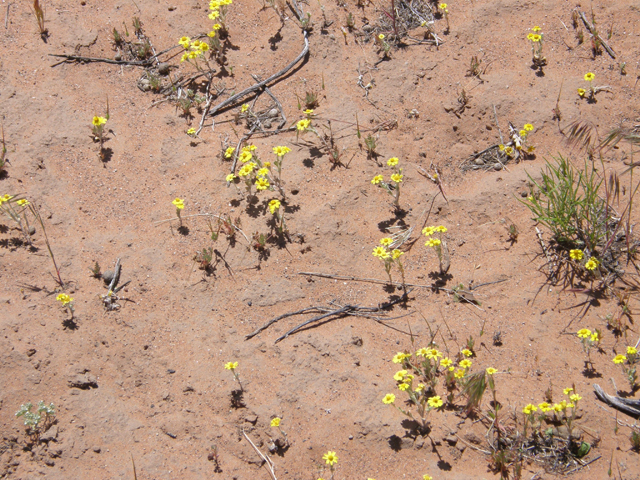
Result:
[
  {"x": 258, "y": 86},
  {"x": 267, "y": 461},
  {"x": 630, "y": 407},
  {"x": 367, "y": 280},
  {"x": 341, "y": 311}
]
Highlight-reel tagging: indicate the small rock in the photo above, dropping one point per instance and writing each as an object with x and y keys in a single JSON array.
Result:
[
  {"x": 252, "y": 419},
  {"x": 83, "y": 381},
  {"x": 357, "y": 341},
  {"x": 524, "y": 194},
  {"x": 32, "y": 230},
  {"x": 451, "y": 439},
  {"x": 97, "y": 449},
  {"x": 266, "y": 123},
  {"x": 273, "y": 112},
  {"x": 107, "y": 276},
  {"x": 497, "y": 167},
  {"x": 188, "y": 389},
  {"x": 479, "y": 161},
  {"x": 473, "y": 438},
  {"x": 164, "y": 68},
  {"x": 118, "y": 57},
  {"x": 31, "y": 352},
  {"x": 50, "y": 435},
  {"x": 367, "y": 28},
  {"x": 419, "y": 444},
  {"x": 49, "y": 462},
  {"x": 171, "y": 370}
]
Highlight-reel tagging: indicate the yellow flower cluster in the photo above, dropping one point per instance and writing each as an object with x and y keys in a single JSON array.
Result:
[
  {"x": 275, "y": 422},
  {"x": 5, "y": 198},
  {"x": 179, "y": 203},
  {"x": 195, "y": 48},
  {"x": 218, "y": 11},
  {"x": 587, "y": 334}
]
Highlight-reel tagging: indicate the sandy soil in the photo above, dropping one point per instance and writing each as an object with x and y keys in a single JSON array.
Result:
[{"x": 146, "y": 382}]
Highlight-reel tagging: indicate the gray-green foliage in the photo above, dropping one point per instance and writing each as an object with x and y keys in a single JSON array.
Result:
[
  {"x": 567, "y": 201},
  {"x": 44, "y": 414}
]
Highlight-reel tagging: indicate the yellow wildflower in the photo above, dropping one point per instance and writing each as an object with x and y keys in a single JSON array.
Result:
[
  {"x": 584, "y": 333},
  {"x": 567, "y": 390},
  {"x": 245, "y": 156},
  {"x": 184, "y": 41},
  {"x": 274, "y": 205},
  {"x": 381, "y": 36},
  {"x": 441, "y": 229},
  {"x": 435, "y": 402},
  {"x": 262, "y": 183},
  {"x": 244, "y": 107},
  {"x": 529, "y": 409},
  {"x": 433, "y": 242},
  {"x": 459, "y": 374},
  {"x": 331, "y": 458},
  {"x": 263, "y": 172},
  {"x": 419, "y": 388},
  {"x": 466, "y": 352},
  {"x": 589, "y": 76},
  {"x": 228, "y": 152},
  {"x": 446, "y": 362},
  {"x": 576, "y": 254},
  {"x": 179, "y": 203},
  {"x": 619, "y": 358},
  {"x": 395, "y": 254},
  {"x": 595, "y": 337},
  {"x": 97, "y": 121},
  {"x": 64, "y": 299},
  {"x": 575, "y": 397},
  {"x": 380, "y": 252},
  {"x": 191, "y": 131},
  {"x": 433, "y": 353},
  {"x": 528, "y": 127},
  {"x": 536, "y": 38},
  {"x": 281, "y": 151},
  {"x": 427, "y": 231},
  {"x": 465, "y": 363},
  {"x": 399, "y": 375},
  {"x": 389, "y": 398},
  {"x": 530, "y": 36},
  {"x": 303, "y": 124},
  {"x": 591, "y": 264},
  {"x": 377, "y": 179},
  {"x": 491, "y": 371},
  {"x": 630, "y": 350},
  {"x": 386, "y": 241},
  {"x": 544, "y": 407},
  {"x": 231, "y": 365},
  {"x": 396, "y": 177},
  {"x": 581, "y": 92},
  {"x": 403, "y": 386},
  {"x": 275, "y": 422},
  {"x": 392, "y": 162},
  {"x": 231, "y": 177},
  {"x": 23, "y": 202}
]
